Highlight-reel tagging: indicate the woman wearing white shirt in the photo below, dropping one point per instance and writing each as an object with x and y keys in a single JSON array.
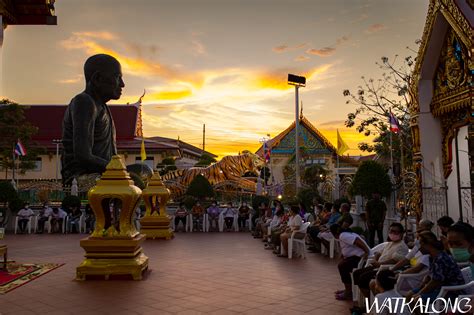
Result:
[
  {"x": 294, "y": 225},
  {"x": 24, "y": 217}
]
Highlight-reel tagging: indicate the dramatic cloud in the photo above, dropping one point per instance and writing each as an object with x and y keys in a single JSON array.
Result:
[
  {"x": 284, "y": 48},
  {"x": 374, "y": 28},
  {"x": 302, "y": 58},
  {"x": 76, "y": 79},
  {"x": 329, "y": 50},
  {"x": 134, "y": 66},
  {"x": 323, "y": 52}
]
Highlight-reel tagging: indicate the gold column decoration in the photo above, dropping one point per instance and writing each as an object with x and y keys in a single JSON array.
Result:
[
  {"x": 113, "y": 248},
  {"x": 156, "y": 222}
]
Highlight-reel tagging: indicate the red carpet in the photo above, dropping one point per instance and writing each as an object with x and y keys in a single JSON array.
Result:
[{"x": 17, "y": 275}]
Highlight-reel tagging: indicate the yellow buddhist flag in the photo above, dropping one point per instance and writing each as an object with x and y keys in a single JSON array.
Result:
[
  {"x": 142, "y": 151},
  {"x": 341, "y": 145}
]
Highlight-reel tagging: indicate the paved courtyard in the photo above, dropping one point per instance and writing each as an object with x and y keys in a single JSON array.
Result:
[{"x": 196, "y": 273}]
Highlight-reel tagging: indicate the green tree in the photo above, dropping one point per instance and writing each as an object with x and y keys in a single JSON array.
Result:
[
  {"x": 14, "y": 126},
  {"x": 314, "y": 175},
  {"x": 306, "y": 197},
  {"x": 70, "y": 202},
  {"x": 167, "y": 165},
  {"x": 205, "y": 160},
  {"x": 10, "y": 202},
  {"x": 200, "y": 188},
  {"x": 371, "y": 177},
  {"x": 375, "y": 99}
]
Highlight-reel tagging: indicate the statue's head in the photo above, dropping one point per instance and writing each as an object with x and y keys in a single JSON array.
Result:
[{"x": 104, "y": 76}]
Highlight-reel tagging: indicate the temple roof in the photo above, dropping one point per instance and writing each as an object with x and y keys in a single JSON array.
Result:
[{"x": 319, "y": 144}]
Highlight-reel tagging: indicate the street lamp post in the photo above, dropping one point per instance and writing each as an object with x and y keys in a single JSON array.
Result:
[
  {"x": 57, "y": 142},
  {"x": 297, "y": 81}
]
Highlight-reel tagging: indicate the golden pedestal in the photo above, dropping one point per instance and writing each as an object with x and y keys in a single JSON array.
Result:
[
  {"x": 106, "y": 257},
  {"x": 114, "y": 247},
  {"x": 156, "y": 222}
]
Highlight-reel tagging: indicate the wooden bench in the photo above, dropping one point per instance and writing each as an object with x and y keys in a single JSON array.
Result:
[{"x": 3, "y": 251}]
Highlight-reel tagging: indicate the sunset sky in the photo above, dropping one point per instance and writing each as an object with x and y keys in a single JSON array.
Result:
[{"x": 219, "y": 62}]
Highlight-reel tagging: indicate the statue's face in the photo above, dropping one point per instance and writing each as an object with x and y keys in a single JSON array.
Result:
[{"x": 110, "y": 84}]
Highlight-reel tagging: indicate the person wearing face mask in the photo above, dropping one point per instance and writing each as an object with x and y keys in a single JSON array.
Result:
[
  {"x": 443, "y": 270},
  {"x": 244, "y": 212},
  {"x": 213, "y": 211},
  {"x": 460, "y": 241},
  {"x": 392, "y": 253},
  {"x": 444, "y": 223}
]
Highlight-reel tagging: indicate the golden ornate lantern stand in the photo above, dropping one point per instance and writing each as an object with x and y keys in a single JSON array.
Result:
[
  {"x": 156, "y": 222},
  {"x": 114, "y": 247}
]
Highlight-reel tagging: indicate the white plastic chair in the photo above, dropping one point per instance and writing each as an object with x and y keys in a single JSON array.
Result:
[
  {"x": 409, "y": 281},
  {"x": 205, "y": 223},
  {"x": 300, "y": 244},
  {"x": 332, "y": 247},
  {"x": 47, "y": 224},
  {"x": 82, "y": 223},
  {"x": 468, "y": 287},
  {"x": 355, "y": 289},
  {"x": 189, "y": 222},
  {"x": 28, "y": 225}
]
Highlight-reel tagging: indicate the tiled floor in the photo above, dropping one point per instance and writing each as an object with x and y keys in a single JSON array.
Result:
[{"x": 195, "y": 273}]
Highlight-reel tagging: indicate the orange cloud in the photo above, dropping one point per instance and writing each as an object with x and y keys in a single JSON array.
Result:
[
  {"x": 323, "y": 52},
  {"x": 170, "y": 95},
  {"x": 131, "y": 66},
  {"x": 374, "y": 28},
  {"x": 284, "y": 48},
  {"x": 302, "y": 58}
]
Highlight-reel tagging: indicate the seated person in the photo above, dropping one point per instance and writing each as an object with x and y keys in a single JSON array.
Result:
[
  {"x": 244, "y": 212},
  {"x": 213, "y": 212},
  {"x": 274, "y": 225},
  {"x": 443, "y": 270},
  {"x": 294, "y": 225},
  {"x": 265, "y": 215},
  {"x": 460, "y": 241},
  {"x": 385, "y": 289},
  {"x": 44, "y": 215},
  {"x": 90, "y": 218},
  {"x": 444, "y": 223},
  {"x": 24, "y": 216},
  {"x": 74, "y": 218},
  {"x": 229, "y": 215},
  {"x": 321, "y": 219},
  {"x": 198, "y": 215},
  {"x": 268, "y": 219},
  {"x": 57, "y": 218},
  {"x": 353, "y": 248},
  {"x": 180, "y": 216},
  {"x": 392, "y": 253},
  {"x": 343, "y": 219}
]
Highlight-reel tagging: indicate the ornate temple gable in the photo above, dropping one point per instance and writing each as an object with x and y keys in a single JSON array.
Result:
[
  {"x": 313, "y": 141},
  {"x": 453, "y": 81},
  {"x": 457, "y": 21}
]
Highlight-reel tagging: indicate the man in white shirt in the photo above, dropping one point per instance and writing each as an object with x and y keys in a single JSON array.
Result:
[
  {"x": 44, "y": 215},
  {"x": 24, "y": 216},
  {"x": 57, "y": 218}
]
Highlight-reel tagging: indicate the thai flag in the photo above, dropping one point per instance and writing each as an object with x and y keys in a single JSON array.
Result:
[
  {"x": 20, "y": 149},
  {"x": 394, "y": 125}
]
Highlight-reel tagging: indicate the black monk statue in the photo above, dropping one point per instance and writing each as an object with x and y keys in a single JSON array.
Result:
[{"x": 88, "y": 126}]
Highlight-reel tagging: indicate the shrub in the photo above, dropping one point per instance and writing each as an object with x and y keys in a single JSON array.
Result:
[
  {"x": 200, "y": 188},
  {"x": 70, "y": 202},
  {"x": 371, "y": 177}
]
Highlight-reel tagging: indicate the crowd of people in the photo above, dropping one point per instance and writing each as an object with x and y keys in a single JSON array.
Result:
[{"x": 57, "y": 217}]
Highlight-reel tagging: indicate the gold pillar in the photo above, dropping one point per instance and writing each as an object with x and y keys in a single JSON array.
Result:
[
  {"x": 113, "y": 248},
  {"x": 156, "y": 222}
]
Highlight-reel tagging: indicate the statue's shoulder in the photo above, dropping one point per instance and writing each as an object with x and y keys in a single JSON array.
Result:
[{"x": 83, "y": 102}]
